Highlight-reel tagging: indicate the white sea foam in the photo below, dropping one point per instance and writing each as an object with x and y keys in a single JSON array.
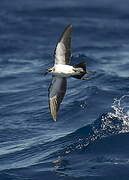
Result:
[{"x": 121, "y": 111}]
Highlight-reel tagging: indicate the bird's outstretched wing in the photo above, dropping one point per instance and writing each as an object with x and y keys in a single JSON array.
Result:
[
  {"x": 56, "y": 94},
  {"x": 63, "y": 47}
]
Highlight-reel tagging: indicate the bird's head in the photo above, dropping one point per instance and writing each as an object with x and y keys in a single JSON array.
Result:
[{"x": 49, "y": 70}]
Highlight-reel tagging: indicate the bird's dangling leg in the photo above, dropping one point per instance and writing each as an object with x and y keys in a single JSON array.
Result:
[
  {"x": 91, "y": 72},
  {"x": 85, "y": 78}
]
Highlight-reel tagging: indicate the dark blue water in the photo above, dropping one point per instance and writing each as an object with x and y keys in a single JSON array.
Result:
[{"x": 90, "y": 140}]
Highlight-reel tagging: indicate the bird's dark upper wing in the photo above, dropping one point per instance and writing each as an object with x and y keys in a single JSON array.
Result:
[
  {"x": 56, "y": 94},
  {"x": 63, "y": 47}
]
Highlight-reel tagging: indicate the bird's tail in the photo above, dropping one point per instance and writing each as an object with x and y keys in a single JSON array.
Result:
[{"x": 81, "y": 65}]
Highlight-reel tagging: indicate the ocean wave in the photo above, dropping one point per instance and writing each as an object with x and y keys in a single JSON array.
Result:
[{"x": 109, "y": 124}]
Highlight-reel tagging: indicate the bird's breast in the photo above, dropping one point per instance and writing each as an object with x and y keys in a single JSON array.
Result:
[{"x": 63, "y": 70}]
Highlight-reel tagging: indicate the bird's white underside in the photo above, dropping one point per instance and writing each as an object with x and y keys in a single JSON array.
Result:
[{"x": 63, "y": 70}]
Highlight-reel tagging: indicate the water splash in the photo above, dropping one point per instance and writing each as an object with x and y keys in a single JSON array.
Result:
[
  {"x": 121, "y": 111},
  {"x": 115, "y": 122},
  {"x": 108, "y": 124}
]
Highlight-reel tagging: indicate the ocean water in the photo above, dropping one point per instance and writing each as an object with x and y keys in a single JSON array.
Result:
[{"x": 90, "y": 139}]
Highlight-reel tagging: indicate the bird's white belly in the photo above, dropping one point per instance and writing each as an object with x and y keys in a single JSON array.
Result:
[{"x": 63, "y": 70}]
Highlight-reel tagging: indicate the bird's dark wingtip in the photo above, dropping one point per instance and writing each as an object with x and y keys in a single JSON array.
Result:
[{"x": 69, "y": 26}]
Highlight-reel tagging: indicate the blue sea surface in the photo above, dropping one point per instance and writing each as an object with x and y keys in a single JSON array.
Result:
[{"x": 90, "y": 139}]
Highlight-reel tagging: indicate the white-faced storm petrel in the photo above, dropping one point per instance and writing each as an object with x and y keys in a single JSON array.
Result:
[{"x": 62, "y": 70}]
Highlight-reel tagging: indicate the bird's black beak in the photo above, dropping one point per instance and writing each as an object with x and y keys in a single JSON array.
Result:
[
  {"x": 48, "y": 71},
  {"x": 45, "y": 73}
]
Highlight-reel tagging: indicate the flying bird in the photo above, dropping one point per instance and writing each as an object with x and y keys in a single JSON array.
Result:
[{"x": 61, "y": 71}]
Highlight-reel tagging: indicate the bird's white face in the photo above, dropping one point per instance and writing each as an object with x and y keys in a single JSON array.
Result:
[{"x": 50, "y": 69}]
